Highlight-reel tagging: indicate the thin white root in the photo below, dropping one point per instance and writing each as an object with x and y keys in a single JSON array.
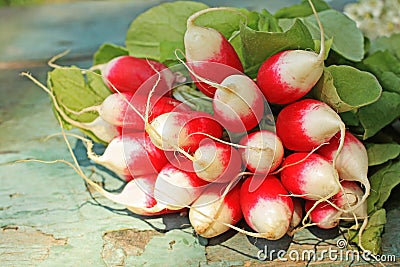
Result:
[
  {"x": 321, "y": 54},
  {"x": 55, "y": 58}
]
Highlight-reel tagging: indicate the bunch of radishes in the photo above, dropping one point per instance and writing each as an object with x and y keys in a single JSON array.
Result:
[{"x": 174, "y": 158}]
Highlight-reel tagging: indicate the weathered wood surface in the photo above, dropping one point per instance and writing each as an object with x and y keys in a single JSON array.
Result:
[{"x": 47, "y": 215}]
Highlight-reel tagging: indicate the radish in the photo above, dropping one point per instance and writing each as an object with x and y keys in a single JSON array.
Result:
[
  {"x": 128, "y": 73},
  {"x": 297, "y": 213},
  {"x": 269, "y": 209},
  {"x": 216, "y": 162},
  {"x": 310, "y": 176},
  {"x": 307, "y": 124},
  {"x": 212, "y": 207},
  {"x": 137, "y": 196},
  {"x": 131, "y": 154},
  {"x": 352, "y": 161},
  {"x": 174, "y": 131},
  {"x": 289, "y": 75},
  {"x": 176, "y": 187},
  {"x": 208, "y": 53},
  {"x": 326, "y": 216},
  {"x": 238, "y": 104},
  {"x": 323, "y": 215},
  {"x": 262, "y": 151},
  {"x": 127, "y": 110},
  {"x": 99, "y": 127},
  {"x": 349, "y": 197}
]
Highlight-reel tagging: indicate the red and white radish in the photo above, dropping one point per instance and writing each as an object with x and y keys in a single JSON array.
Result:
[
  {"x": 137, "y": 196},
  {"x": 216, "y": 162},
  {"x": 352, "y": 161},
  {"x": 310, "y": 176},
  {"x": 263, "y": 151},
  {"x": 297, "y": 213},
  {"x": 349, "y": 197},
  {"x": 131, "y": 154},
  {"x": 323, "y": 214},
  {"x": 307, "y": 124},
  {"x": 128, "y": 74},
  {"x": 128, "y": 110},
  {"x": 177, "y": 187},
  {"x": 177, "y": 130},
  {"x": 208, "y": 53},
  {"x": 238, "y": 104},
  {"x": 269, "y": 209},
  {"x": 214, "y": 207},
  {"x": 289, "y": 75}
]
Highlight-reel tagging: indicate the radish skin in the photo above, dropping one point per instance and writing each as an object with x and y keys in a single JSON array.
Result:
[
  {"x": 310, "y": 176},
  {"x": 131, "y": 154},
  {"x": 263, "y": 151},
  {"x": 177, "y": 188},
  {"x": 216, "y": 162},
  {"x": 211, "y": 208},
  {"x": 173, "y": 130},
  {"x": 128, "y": 74},
  {"x": 206, "y": 45},
  {"x": 311, "y": 123},
  {"x": 269, "y": 209},
  {"x": 323, "y": 215},
  {"x": 289, "y": 75},
  {"x": 238, "y": 105},
  {"x": 351, "y": 196},
  {"x": 352, "y": 161},
  {"x": 127, "y": 110}
]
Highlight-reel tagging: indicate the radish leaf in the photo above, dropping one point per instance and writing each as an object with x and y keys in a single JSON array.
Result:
[{"x": 337, "y": 88}]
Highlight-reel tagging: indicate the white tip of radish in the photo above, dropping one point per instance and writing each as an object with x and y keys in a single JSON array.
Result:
[
  {"x": 216, "y": 162},
  {"x": 101, "y": 129},
  {"x": 176, "y": 189},
  {"x": 264, "y": 152},
  {"x": 297, "y": 213},
  {"x": 238, "y": 105},
  {"x": 300, "y": 69},
  {"x": 270, "y": 217},
  {"x": 206, "y": 218},
  {"x": 321, "y": 123},
  {"x": 201, "y": 43},
  {"x": 310, "y": 175}
]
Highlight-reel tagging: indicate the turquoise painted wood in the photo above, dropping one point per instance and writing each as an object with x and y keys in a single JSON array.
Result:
[{"x": 47, "y": 215}]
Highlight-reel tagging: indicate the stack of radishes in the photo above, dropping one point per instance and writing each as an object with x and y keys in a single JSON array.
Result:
[{"x": 174, "y": 158}]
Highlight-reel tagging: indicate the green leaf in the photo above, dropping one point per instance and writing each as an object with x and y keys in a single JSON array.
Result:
[
  {"x": 228, "y": 21},
  {"x": 268, "y": 23},
  {"x": 348, "y": 41},
  {"x": 165, "y": 23},
  {"x": 379, "y": 114},
  {"x": 382, "y": 183},
  {"x": 350, "y": 118},
  {"x": 257, "y": 46},
  {"x": 75, "y": 91},
  {"x": 301, "y": 10},
  {"x": 106, "y": 52},
  {"x": 391, "y": 43},
  {"x": 382, "y": 61},
  {"x": 338, "y": 89},
  {"x": 372, "y": 236},
  {"x": 381, "y": 153}
]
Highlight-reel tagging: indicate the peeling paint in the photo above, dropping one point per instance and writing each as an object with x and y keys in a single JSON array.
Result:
[{"x": 22, "y": 245}]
